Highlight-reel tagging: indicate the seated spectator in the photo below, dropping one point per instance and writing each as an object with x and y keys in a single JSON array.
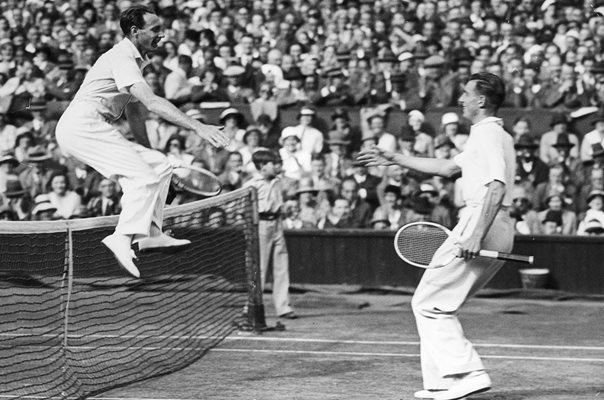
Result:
[
  {"x": 521, "y": 127},
  {"x": 320, "y": 179},
  {"x": 551, "y": 223},
  {"x": 559, "y": 124},
  {"x": 8, "y": 164},
  {"x": 451, "y": 127},
  {"x": 424, "y": 144},
  {"x": 595, "y": 182},
  {"x": 593, "y": 137},
  {"x": 233, "y": 121},
  {"x": 380, "y": 220},
  {"x": 338, "y": 215},
  {"x": 391, "y": 206},
  {"x": 385, "y": 141},
  {"x": 42, "y": 128},
  {"x": 269, "y": 132},
  {"x": 234, "y": 174},
  {"x": 368, "y": 183},
  {"x": 568, "y": 219},
  {"x": 594, "y": 213},
  {"x": 296, "y": 162},
  {"x": 209, "y": 89},
  {"x": 573, "y": 168},
  {"x": 251, "y": 141},
  {"x": 311, "y": 139},
  {"x": 8, "y": 134},
  {"x": 526, "y": 220},
  {"x": 306, "y": 195},
  {"x": 337, "y": 161},
  {"x": 265, "y": 104},
  {"x": 530, "y": 170},
  {"x": 35, "y": 179},
  {"x": 360, "y": 210},
  {"x": 557, "y": 183},
  {"x": 17, "y": 199},
  {"x": 107, "y": 202},
  {"x": 342, "y": 128},
  {"x": 291, "y": 214},
  {"x": 178, "y": 85},
  {"x": 66, "y": 201},
  {"x": 176, "y": 154},
  {"x": 335, "y": 92},
  {"x": 43, "y": 209},
  {"x": 23, "y": 142},
  {"x": 159, "y": 131},
  {"x": 238, "y": 94},
  {"x": 592, "y": 228},
  {"x": 7, "y": 214}
]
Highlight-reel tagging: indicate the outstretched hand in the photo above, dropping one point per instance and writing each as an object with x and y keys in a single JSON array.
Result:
[
  {"x": 214, "y": 135},
  {"x": 376, "y": 157}
]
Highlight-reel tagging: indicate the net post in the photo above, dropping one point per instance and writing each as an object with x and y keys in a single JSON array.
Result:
[
  {"x": 68, "y": 274},
  {"x": 255, "y": 309}
]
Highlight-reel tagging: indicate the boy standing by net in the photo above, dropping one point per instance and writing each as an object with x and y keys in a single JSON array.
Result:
[
  {"x": 87, "y": 132},
  {"x": 270, "y": 229},
  {"x": 451, "y": 367}
]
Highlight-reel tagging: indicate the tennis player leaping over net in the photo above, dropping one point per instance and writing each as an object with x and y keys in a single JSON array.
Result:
[
  {"x": 451, "y": 368},
  {"x": 85, "y": 131}
]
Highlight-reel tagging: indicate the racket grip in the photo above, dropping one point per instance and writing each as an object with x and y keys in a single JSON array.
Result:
[{"x": 507, "y": 256}]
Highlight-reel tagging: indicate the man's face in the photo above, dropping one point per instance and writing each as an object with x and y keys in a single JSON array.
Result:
[
  {"x": 149, "y": 36},
  {"x": 318, "y": 167},
  {"x": 235, "y": 162},
  {"x": 107, "y": 188},
  {"x": 340, "y": 208},
  {"x": 349, "y": 190},
  {"x": 471, "y": 101}
]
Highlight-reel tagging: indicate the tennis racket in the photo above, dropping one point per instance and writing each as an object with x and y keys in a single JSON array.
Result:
[
  {"x": 416, "y": 244},
  {"x": 195, "y": 180}
]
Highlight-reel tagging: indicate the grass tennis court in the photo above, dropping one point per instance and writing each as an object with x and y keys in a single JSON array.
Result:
[{"x": 364, "y": 346}]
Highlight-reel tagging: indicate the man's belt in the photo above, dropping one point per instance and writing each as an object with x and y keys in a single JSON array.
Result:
[{"x": 268, "y": 216}]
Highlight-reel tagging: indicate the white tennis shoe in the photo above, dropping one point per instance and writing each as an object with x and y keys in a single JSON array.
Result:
[
  {"x": 427, "y": 393},
  {"x": 472, "y": 383},
  {"x": 162, "y": 241},
  {"x": 120, "y": 247}
]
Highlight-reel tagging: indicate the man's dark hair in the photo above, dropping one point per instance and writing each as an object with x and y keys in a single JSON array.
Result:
[
  {"x": 262, "y": 157},
  {"x": 490, "y": 86},
  {"x": 134, "y": 16}
]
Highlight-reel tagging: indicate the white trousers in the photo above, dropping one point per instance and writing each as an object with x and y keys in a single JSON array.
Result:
[
  {"x": 442, "y": 291},
  {"x": 143, "y": 174},
  {"x": 273, "y": 250}
]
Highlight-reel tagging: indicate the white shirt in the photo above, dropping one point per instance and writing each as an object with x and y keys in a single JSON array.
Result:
[
  {"x": 106, "y": 84},
  {"x": 295, "y": 165},
  {"x": 66, "y": 205},
  {"x": 488, "y": 156},
  {"x": 311, "y": 139},
  {"x": 590, "y": 139},
  {"x": 387, "y": 142}
]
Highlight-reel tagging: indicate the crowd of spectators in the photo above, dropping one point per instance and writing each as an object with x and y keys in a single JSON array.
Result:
[{"x": 272, "y": 55}]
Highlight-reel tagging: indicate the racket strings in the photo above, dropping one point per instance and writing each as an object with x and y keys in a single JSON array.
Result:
[
  {"x": 418, "y": 243},
  {"x": 196, "y": 181}
]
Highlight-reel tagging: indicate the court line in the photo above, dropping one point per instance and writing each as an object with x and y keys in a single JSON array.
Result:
[
  {"x": 306, "y": 340},
  {"x": 364, "y": 354},
  {"x": 2, "y": 396}
]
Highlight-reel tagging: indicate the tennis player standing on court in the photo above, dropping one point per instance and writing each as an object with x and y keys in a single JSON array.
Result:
[
  {"x": 86, "y": 132},
  {"x": 451, "y": 368}
]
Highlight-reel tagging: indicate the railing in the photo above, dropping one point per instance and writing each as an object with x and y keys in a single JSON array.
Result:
[{"x": 365, "y": 257}]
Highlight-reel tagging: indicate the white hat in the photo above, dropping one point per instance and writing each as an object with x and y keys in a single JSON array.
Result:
[
  {"x": 288, "y": 132},
  {"x": 546, "y": 4},
  {"x": 405, "y": 55},
  {"x": 42, "y": 204},
  {"x": 449, "y": 118},
  {"x": 416, "y": 114}
]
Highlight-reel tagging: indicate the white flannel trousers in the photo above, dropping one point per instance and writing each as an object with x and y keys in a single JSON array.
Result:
[
  {"x": 143, "y": 174},
  {"x": 442, "y": 291}
]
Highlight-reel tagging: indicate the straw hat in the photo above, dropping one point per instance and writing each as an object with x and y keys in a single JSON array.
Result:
[
  {"x": 8, "y": 157},
  {"x": 307, "y": 111},
  {"x": 594, "y": 226},
  {"x": 306, "y": 186},
  {"x": 449, "y": 118},
  {"x": 231, "y": 111},
  {"x": 250, "y": 129},
  {"x": 14, "y": 187},
  {"x": 43, "y": 204},
  {"x": 595, "y": 193},
  {"x": 380, "y": 216},
  {"x": 37, "y": 153}
]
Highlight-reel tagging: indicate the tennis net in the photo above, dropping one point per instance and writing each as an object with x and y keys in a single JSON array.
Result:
[{"x": 74, "y": 324}]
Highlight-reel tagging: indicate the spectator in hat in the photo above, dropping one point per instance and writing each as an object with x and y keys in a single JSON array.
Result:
[
  {"x": 380, "y": 220},
  {"x": 318, "y": 174},
  {"x": 443, "y": 147},
  {"x": 296, "y": 161},
  {"x": 311, "y": 139},
  {"x": 551, "y": 224},
  {"x": 190, "y": 47},
  {"x": 337, "y": 161},
  {"x": 381, "y": 85},
  {"x": 265, "y": 103},
  {"x": 107, "y": 202},
  {"x": 567, "y": 218},
  {"x": 527, "y": 219},
  {"x": 392, "y": 207},
  {"x": 306, "y": 194},
  {"x": 343, "y": 129},
  {"x": 594, "y": 212},
  {"x": 252, "y": 140},
  {"x": 592, "y": 228},
  {"x": 43, "y": 209},
  {"x": 66, "y": 201},
  {"x": 530, "y": 170},
  {"x": 233, "y": 121},
  {"x": 573, "y": 168},
  {"x": 360, "y": 210},
  {"x": 58, "y": 82},
  {"x": 238, "y": 94},
  {"x": 593, "y": 180},
  {"x": 269, "y": 132},
  {"x": 8, "y": 164},
  {"x": 335, "y": 92},
  {"x": 406, "y": 141},
  {"x": 424, "y": 144},
  {"x": 291, "y": 215},
  {"x": 176, "y": 153},
  {"x": 36, "y": 176},
  {"x": 559, "y": 124},
  {"x": 40, "y": 126},
  {"x": 7, "y": 214},
  {"x": 565, "y": 94},
  {"x": 209, "y": 89},
  {"x": 436, "y": 86},
  {"x": 594, "y": 136},
  {"x": 291, "y": 91},
  {"x": 451, "y": 127},
  {"x": 377, "y": 126},
  {"x": 521, "y": 126},
  {"x": 17, "y": 198}
]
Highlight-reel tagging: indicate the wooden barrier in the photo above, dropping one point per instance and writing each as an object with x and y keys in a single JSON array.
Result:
[{"x": 366, "y": 257}]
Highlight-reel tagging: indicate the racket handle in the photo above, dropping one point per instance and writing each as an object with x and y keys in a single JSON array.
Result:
[{"x": 506, "y": 256}]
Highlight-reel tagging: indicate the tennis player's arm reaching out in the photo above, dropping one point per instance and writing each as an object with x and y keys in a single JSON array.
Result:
[
  {"x": 444, "y": 167},
  {"x": 171, "y": 113}
]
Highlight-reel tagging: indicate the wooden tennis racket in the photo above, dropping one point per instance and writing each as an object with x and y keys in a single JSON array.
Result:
[
  {"x": 416, "y": 244},
  {"x": 196, "y": 180}
]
